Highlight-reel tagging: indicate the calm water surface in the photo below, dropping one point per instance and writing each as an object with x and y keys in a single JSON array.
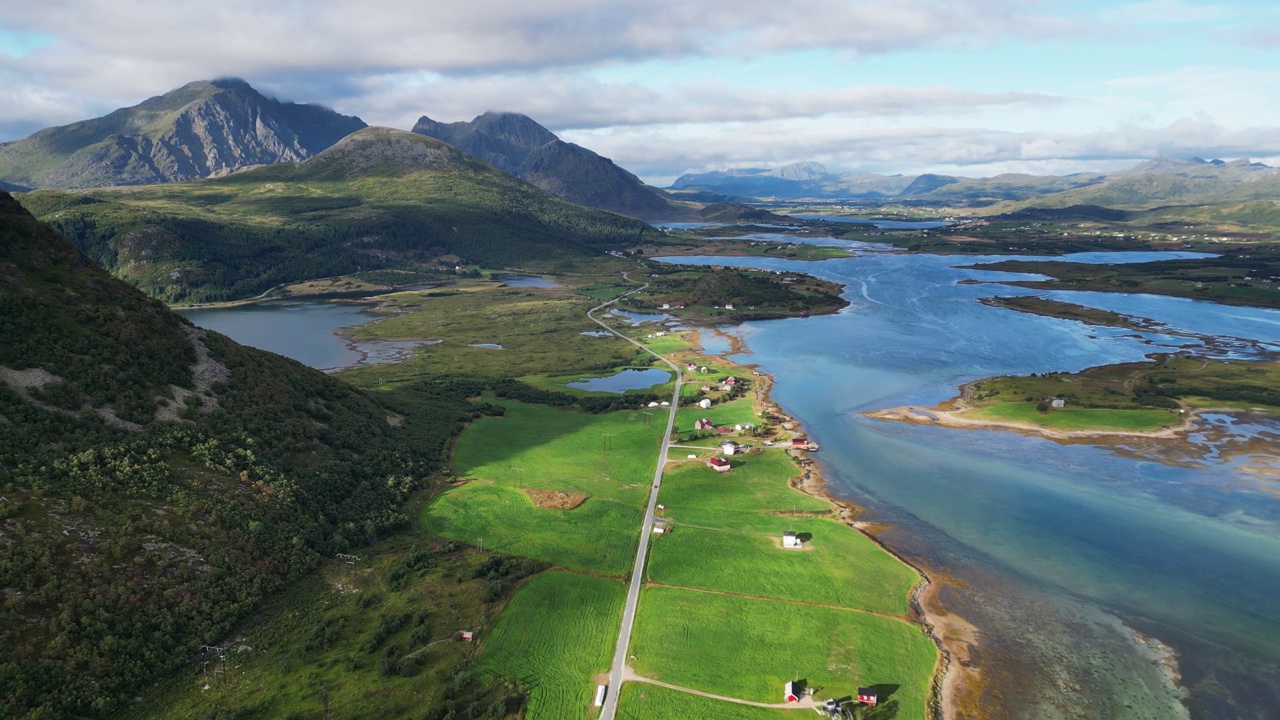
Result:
[
  {"x": 302, "y": 330},
  {"x": 629, "y": 379},
  {"x": 1065, "y": 553}
]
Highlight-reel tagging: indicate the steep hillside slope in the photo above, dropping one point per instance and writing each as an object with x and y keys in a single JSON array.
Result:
[
  {"x": 158, "y": 481},
  {"x": 518, "y": 145},
  {"x": 202, "y": 129},
  {"x": 378, "y": 198}
]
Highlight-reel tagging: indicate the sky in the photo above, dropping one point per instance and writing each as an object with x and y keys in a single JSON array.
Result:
[{"x": 664, "y": 87}]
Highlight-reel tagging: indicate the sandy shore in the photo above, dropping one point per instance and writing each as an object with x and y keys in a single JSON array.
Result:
[{"x": 957, "y": 682}]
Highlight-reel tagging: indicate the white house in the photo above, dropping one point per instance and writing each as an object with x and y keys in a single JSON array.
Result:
[
  {"x": 729, "y": 447},
  {"x": 791, "y": 540},
  {"x": 704, "y": 403}
]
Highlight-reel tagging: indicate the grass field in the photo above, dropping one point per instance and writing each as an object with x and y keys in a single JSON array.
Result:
[
  {"x": 563, "y": 450},
  {"x": 1075, "y": 418},
  {"x": 650, "y": 702},
  {"x": 723, "y": 414},
  {"x": 696, "y": 494},
  {"x": 749, "y": 648},
  {"x": 597, "y": 536},
  {"x": 667, "y": 344},
  {"x": 540, "y": 332},
  {"x": 838, "y": 566},
  {"x": 556, "y": 633}
]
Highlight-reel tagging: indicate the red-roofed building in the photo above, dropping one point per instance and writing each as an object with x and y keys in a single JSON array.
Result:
[{"x": 719, "y": 464}]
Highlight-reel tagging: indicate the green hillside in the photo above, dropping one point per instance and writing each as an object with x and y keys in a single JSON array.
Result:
[
  {"x": 158, "y": 482},
  {"x": 379, "y": 198}
]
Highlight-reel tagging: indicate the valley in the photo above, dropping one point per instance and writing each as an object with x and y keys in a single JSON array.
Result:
[{"x": 970, "y": 447}]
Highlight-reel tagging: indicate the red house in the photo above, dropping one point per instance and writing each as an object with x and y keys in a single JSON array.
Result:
[
  {"x": 789, "y": 694},
  {"x": 867, "y": 696},
  {"x": 719, "y": 464},
  {"x": 799, "y": 442}
]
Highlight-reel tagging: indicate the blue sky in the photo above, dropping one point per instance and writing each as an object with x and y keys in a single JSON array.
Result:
[{"x": 972, "y": 87}]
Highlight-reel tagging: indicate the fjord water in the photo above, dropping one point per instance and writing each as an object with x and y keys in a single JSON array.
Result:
[{"x": 1072, "y": 560}]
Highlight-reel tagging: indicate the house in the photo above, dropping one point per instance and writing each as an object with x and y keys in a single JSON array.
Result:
[
  {"x": 799, "y": 442},
  {"x": 653, "y": 404},
  {"x": 791, "y": 540},
  {"x": 702, "y": 369},
  {"x": 661, "y": 526},
  {"x": 731, "y": 381},
  {"x": 706, "y": 388},
  {"x": 1057, "y": 403},
  {"x": 728, "y": 447},
  {"x": 467, "y": 635},
  {"x": 728, "y": 306},
  {"x": 867, "y": 696},
  {"x": 666, "y": 306},
  {"x": 719, "y": 464},
  {"x": 704, "y": 403},
  {"x": 703, "y": 424},
  {"x": 789, "y": 692}
]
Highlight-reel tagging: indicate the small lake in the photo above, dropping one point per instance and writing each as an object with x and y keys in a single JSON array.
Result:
[
  {"x": 302, "y": 330},
  {"x": 529, "y": 281},
  {"x": 618, "y": 383},
  {"x": 636, "y": 318}
]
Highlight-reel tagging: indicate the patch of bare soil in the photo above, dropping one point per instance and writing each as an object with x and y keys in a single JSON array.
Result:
[{"x": 555, "y": 499}]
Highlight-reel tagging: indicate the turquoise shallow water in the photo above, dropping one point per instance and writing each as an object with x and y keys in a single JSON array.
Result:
[{"x": 1066, "y": 549}]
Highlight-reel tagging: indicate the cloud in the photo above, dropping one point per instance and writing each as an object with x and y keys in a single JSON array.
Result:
[
  {"x": 563, "y": 101},
  {"x": 132, "y": 46},
  {"x": 662, "y": 153}
]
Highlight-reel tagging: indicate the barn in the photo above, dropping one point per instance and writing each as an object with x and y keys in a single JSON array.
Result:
[
  {"x": 867, "y": 696},
  {"x": 719, "y": 464}
]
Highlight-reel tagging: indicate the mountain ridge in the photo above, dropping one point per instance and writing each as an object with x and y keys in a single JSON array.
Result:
[
  {"x": 517, "y": 144},
  {"x": 202, "y": 129}
]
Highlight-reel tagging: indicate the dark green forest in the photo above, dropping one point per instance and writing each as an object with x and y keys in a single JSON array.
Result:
[{"x": 126, "y": 545}]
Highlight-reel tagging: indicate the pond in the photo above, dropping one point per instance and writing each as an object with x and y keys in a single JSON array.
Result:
[
  {"x": 618, "y": 383},
  {"x": 529, "y": 281}
]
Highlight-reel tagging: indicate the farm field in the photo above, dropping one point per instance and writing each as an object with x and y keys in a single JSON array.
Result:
[
  {"x": 555, "y": 634},
  {"x": 563, "y": 450},
  {"x": 696, "y": 494},
  {"x": 837, "y": 567},
  {"x": 641, "y": 701},
  {"x": 723, "y": 414},
  {"x": 749, "y": 649},
  {"x": 1075, "y": 418},
  {"x": 598, "y": 536}
]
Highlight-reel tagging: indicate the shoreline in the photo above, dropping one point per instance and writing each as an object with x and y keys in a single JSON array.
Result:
[{"x": 954, "y": 677}]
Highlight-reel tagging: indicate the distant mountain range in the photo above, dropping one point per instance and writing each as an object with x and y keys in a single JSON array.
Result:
[
  {"x": 377, "y": 198},
  {"x": 516, "y": 144},
  {"x": 1162, "y": 181},
  {"x": 202, "y": 129}
]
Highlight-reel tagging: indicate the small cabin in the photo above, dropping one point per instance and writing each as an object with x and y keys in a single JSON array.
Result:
[
  {"x": 467, "y": 635},
  {"x": 791, "y": 540},
  {"x": 1057, "y": 403},
  {"x": 789, "y": 692},
  {"x": 719, "y": 464},
  {"x": 867, "y": 696},
  {"x": 800, "y": 442}
]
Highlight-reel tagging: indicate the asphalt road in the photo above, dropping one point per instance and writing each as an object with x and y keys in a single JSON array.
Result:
[{"x": 637, "y": 571}]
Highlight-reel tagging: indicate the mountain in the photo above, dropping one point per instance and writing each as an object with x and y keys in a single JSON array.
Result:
[
  {"x": 1168, "y": 181},
  {"x": 378, "y": 198},
  {"x": 516, "y": 144},
  {"x": 202, "y": 129},
  {"x": 158, "y": 481},
  {"x": 797, "y": 181}
]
